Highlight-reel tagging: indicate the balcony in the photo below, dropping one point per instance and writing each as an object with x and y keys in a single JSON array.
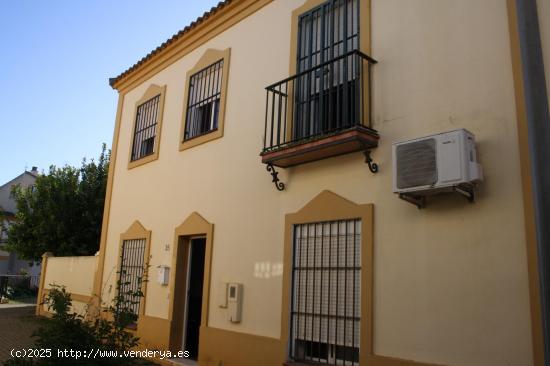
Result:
[{"x": 320, "y": 113}]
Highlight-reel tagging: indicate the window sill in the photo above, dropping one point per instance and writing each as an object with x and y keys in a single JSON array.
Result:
[
  {"x": 201, "y": 139},
  {"x": 200, "y": 135},
  {"x": 143, "y": 160}
]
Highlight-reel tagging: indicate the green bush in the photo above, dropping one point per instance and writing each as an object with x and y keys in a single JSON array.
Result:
[{"x": 67, "y": 330}]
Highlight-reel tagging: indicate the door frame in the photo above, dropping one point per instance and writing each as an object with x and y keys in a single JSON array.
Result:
[
  {"x": 193, "y": 226},
  {"x": 187, "y": 251}
]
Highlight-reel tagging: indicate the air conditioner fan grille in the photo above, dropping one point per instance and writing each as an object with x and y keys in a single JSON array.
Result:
[{"x": 416, "y": 164}]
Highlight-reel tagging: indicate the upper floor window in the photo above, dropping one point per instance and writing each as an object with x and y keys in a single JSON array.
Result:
[
  {"x": 327, "y": 99},
  {"x": 147, "y": 126},
  {"x": 203, "y": 105},
  {"x": 203, "y": 117},
  {"x": 326, "y": 32}
]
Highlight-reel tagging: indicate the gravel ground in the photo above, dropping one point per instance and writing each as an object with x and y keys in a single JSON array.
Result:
[{"x": 16, "y": 326}]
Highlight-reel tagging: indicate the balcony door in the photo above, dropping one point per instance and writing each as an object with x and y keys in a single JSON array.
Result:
[{"x": 327, "y": 90}]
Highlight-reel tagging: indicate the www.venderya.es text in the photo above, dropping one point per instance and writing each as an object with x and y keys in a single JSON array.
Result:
[{"x": 94, "y": 353}]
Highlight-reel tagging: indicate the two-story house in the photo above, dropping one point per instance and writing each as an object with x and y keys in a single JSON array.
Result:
[
  {"x": 10, "y": 263},
  {"x": 253, "y": 182}
]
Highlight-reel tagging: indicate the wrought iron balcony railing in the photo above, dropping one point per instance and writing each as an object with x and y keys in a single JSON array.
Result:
[{"x": 321, "y": 112}]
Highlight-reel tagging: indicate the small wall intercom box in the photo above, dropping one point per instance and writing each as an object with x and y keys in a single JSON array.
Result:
[
  {"x": 234, "y": 299},
  {"x": 163, "y": 275}
]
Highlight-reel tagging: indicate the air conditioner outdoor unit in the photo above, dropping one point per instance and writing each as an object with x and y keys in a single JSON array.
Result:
[{"x": 436, "y": 163}]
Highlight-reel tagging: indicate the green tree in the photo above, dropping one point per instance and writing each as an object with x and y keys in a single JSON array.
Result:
[
  {"x": 82, "y": 333},
  {"x": 62, "y": 212}
]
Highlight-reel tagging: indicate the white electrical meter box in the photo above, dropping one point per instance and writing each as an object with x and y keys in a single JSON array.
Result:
[
  {"x": 163, "y": 275},
  {"x": 235, "y": 299}
]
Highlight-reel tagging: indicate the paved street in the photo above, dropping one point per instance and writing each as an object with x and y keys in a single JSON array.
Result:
[{"x": 16, "y": 326}]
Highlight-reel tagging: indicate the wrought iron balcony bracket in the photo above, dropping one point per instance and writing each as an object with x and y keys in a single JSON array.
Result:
[
  {"x": 275, "y": 174},
  {"x": 373, "y": 167}
]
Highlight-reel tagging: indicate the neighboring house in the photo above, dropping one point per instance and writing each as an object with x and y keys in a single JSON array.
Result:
[
  {"x": 9, "y": 262},
  {"x": 243, "y": 181}
]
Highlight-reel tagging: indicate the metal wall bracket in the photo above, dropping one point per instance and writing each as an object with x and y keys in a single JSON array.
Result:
[
  {"x": 467, "y": 191},
  {"x": 373, "y": 167},
  {"x": 275, "y": 174},
  {"x": 417, "y": 200}
]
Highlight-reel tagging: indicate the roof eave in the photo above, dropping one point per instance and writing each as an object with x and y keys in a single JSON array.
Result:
[{"x": 118, "y": 81}]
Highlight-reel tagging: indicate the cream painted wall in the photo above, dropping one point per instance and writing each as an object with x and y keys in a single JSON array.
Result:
[
  {"x": 451, "y": 281},
  {"x": 543, "y": 7},
  {"x": 75, "y": 273},
  {"x": 78, "y": 307}
]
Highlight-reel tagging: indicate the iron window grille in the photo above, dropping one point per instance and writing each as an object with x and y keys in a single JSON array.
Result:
[
  {"x": 330, "y": 91},
  {"x": 326, "y": 292},
  {"x": 203, "y": 102},
  {"x": 145, "y": 129},
  {"x": 132, "y": 273},
  {"x": 326, "y": 33}
]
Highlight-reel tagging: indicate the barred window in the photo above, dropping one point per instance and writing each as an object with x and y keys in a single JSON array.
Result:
[
  {"x": 326, "y": 32},
  {"x": 131, "y": 273},
  {"x": 203, "y": 102},
  {"x": 326, "y": 292},
  {"x": 145, "y": 129}
]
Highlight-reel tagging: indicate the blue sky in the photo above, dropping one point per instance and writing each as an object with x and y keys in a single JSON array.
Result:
[{"x": 56, "y": 58}]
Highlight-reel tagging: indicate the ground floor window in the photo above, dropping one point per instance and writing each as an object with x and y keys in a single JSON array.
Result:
[
  {"x": 326, "y": 298},
  {"x": 131, "y": 273}
]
